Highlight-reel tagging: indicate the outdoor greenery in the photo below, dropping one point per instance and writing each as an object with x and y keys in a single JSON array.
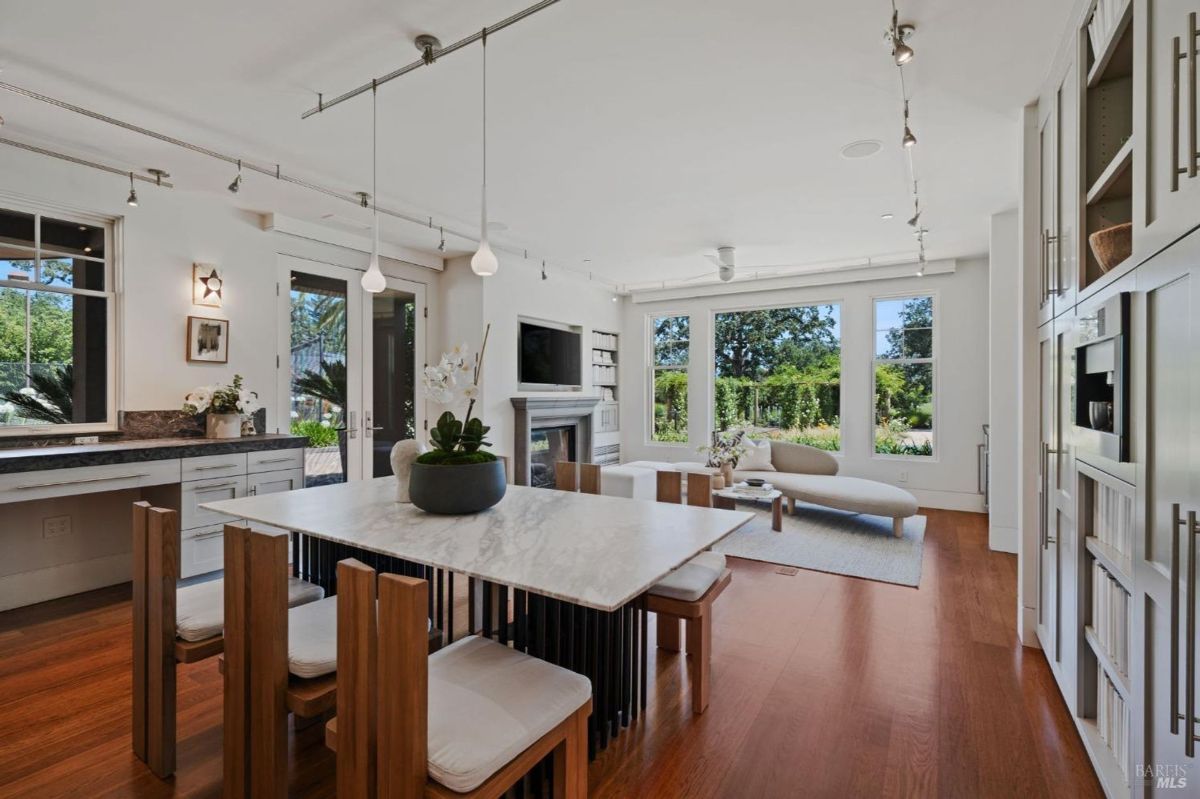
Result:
[
  {"x": 904, "y": 378},
  {"x": 328, "y": 385},
  {"x": 319, "y": 434},
  {"x": 50, "y": 328},
  {"x": 779, "y": 370},
  {"x": 49, "y": 397},
  {"x": 671, "y": 345}
]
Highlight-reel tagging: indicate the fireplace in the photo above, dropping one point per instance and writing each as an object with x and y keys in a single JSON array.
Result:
[
  {"x": 549, "y": 429},
  {"x": 546, "y": 446}
]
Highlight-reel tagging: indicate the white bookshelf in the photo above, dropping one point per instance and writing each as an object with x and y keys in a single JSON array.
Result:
[{"x": 606, "y": 444}]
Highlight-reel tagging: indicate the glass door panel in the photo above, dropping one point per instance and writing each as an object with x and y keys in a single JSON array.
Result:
[{"x": 394, "y": 338}]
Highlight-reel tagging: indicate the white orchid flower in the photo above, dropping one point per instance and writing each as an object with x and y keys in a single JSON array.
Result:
[{"x": 471, "y": 392}]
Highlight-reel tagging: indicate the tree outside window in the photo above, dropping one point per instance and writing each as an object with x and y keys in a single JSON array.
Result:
[
  {"x": 779, "y": 370},
  {"x": 904, "y": 376},
  {"x": 671, "y": 342}
]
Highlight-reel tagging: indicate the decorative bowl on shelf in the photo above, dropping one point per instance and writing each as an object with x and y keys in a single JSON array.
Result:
[
  {"x": 1112, "y": 245},
  {"x": 755, "y": 482}
]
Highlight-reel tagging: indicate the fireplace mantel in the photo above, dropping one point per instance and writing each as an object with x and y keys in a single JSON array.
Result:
[{"x": 533, "y": 413}]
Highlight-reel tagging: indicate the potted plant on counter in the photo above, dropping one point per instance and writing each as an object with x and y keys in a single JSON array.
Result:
[
  {"x": 225, "y": 407},
  {"x": 457, "y": 475}
]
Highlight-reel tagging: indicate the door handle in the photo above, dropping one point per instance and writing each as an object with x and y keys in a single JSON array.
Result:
[
  {"x": 351, "y": 425},
  {"x": 1176, "y": 523},
  {"x": 1054, "y": 288},
  {"x": 1189, "y": 657}
]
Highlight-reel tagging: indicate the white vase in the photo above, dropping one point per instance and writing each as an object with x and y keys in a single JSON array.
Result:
[
  {"x": 224, "y": 425},
  {"x": 404, "y": 455}
]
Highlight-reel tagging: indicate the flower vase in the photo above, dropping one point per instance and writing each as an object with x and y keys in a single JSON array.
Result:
[
  {"x": 727, "y": 473},
  {"x": 223, "y": 425}
]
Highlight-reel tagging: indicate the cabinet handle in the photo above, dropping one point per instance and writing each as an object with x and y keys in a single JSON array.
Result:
[
  {"x": 205, "y": 536},
  {"x": 1054, "y": 288},
  {"x": 273, "y": 460},
  {"x": 81, "y": 482},
  {"x": 1189, "y": 656},
  {"x": 1044, "y": 265},
  {"x": 1176, "y": 523},
  {"x": 1044, "y": 486},
  {"x": 215, "y": 486},
  {"x": 215, "y": 466},
  {"x": 1193, "y": 152}
]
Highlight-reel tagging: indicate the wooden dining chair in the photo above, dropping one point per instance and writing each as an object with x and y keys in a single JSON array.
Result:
[
  {"x": 686, "y": 594},
  {"x": 172, "y": 624},
  {"x": 572, "y": 476},
  {"x": 278, "y": 660},
  {"x": 470, "y": 720}
]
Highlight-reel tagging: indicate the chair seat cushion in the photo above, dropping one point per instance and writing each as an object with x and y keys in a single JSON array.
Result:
[
  {"x": 312, "y": 638},
  {"x": 489, "y": 703},
  {"x": 693, "y": 579},
  {"x": 200, "y": 608},
  {"x": 631, "y": 482}
]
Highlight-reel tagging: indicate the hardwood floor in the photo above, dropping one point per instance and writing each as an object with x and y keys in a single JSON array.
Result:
[{"x": 821, "y": 686}]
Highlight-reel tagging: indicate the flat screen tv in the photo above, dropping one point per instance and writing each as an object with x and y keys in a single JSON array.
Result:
[{"x": 548, "y": 358}]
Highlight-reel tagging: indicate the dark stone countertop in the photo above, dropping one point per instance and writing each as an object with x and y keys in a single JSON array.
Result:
[{"x": 32, "y": 459}]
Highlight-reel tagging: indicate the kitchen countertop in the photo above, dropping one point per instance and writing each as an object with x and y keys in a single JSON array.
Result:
[{"x": 31, "y": 459}]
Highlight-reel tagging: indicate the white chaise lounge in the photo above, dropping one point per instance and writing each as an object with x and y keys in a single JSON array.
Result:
[{"x": 810, "y": 475}]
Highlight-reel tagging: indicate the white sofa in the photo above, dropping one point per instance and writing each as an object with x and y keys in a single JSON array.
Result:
[{"x": 810, "y": 475}]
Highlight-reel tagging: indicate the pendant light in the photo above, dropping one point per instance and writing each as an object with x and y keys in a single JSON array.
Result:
[
  {"x": 484, "y": 262},
  {"x": 373, "y": 280}
]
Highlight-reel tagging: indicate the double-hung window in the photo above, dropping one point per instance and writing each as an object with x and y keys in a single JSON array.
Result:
[
  {"x": 904, "y": 376},
  {"x": 670, "y": 341},
  {"x": 56, "y": 323}
]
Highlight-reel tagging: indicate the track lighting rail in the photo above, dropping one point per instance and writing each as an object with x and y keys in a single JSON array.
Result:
[
  {"x": 154, "y": 180},
  {"x": 427, "y": 57}
]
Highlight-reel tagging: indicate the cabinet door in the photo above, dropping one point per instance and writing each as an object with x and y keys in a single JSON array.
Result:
[
  {"x": 1172, "y": 126},
  {"x": 1063, "y": 242},
  {"x": 274, "y": 482},
  {"x": 1049, "y": 593},
  {"x": 1048, "y": 206},
  {"x": 194, "y": 493},
  {"x": 1168, "y": 313}
]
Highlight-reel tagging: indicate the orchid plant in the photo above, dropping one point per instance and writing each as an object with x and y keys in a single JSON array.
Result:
[
  {"x": 453, "y": 380},
  {"x": 233, "y": 398}
]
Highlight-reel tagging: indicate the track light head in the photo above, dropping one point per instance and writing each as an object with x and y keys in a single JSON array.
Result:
[
  {"x": 909, "y": 139},
  {"x": 363, "y": 198},
  {"x": 902, "y": 53},
  {"x": 442, "y": 243},
  {"x": 915, "y": 219},
  {"x": 132, "y": 200},
  {"x": 897, "y": 37},
  {"x": 237, "y": 184}
]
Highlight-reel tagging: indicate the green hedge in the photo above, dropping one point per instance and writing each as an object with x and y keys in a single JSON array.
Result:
[{"x": 318, "y": 435}]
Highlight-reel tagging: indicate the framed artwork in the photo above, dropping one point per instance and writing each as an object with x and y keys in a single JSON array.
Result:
[
  {"x": 207, "y": 340},
  {"x": 207, "y": 285}
]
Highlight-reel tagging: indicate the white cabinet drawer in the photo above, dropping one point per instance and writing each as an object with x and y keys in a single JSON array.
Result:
[
  {"x": 209, "y": 467},
  {"x": 275, "y": 460},
  {"x": 192, "y": 494},
  {"x": 25, "y": 486},
  {"x": 274, "y": 482},
  {"x": 202, "y": 550}
]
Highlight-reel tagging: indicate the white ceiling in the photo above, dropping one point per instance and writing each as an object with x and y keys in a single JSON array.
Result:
[{"x": 638, "y": 136}]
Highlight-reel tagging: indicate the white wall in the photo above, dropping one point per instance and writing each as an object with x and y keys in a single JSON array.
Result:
[
  {"x": 1003, "y": 342},
  {"x": 947, "y": 480},
  {"x": 517, "y": 290}
]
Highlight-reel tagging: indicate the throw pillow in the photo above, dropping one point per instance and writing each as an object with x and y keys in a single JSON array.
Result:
[
  {"x": 757, "y": 457},
  {"x": 730, "y": 438}
]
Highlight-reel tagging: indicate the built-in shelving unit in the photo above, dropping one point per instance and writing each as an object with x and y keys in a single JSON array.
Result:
[
  {"x": 1106, "y": 530},
  {"x": 606, "y": 447},
  {"x": 1107, "y": 126}
]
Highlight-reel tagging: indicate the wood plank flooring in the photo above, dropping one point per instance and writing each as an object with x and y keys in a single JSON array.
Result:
[{"x": 822, "y": 686}]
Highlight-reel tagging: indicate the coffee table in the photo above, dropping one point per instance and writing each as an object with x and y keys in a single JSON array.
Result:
[{"x": 726, "y": 498}]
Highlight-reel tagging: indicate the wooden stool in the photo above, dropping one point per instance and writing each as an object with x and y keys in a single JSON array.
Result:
[
  {"x": 572, "y": 476},
  {"x": 382, "y": 729},
  {"x": 695, "y": 614}
]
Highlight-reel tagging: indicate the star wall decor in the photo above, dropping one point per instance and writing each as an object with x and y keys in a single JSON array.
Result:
[{"x": 208, "y": 286}]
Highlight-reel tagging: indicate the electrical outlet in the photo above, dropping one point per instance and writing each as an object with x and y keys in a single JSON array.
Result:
[
  {"x": 55, "y": 526},
  {"x": 903, "y": 478},
  {"x": 87, "y": 439}
]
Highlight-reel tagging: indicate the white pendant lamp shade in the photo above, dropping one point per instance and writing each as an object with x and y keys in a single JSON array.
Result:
[
  {"x": 373, "y": 279},
  {"x": 484, "y": 262}
]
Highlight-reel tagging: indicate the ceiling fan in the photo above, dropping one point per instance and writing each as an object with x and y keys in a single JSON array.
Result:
[{"x": 726, "y": 264}]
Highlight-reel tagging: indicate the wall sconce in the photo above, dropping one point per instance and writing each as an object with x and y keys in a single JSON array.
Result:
[{"x": 208, "y": 286}]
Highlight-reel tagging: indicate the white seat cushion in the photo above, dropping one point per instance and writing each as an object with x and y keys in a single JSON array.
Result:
[
  {"x": 200, "y": 608},
  {"x": 312, "y": 638},
  {"x": 632, "y": 482},
  {"x": 693, "y": 579},
  {"x": 489, "y": 703},
  {"x": 657, "y": 466}
]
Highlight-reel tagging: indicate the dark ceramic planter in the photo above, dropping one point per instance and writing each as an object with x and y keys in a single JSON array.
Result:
[{"x": 456, "y": 489}]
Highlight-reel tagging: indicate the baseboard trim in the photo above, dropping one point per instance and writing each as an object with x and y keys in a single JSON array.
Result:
[
  {"x": 1027, "y": 627},
  {"x": 29, "y": 588},
  {"x": 1002, "y": 539},
  {"x": 945, "y": 500}
]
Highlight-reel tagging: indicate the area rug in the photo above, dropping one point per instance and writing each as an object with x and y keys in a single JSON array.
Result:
[{"x": 834, "y": 541}]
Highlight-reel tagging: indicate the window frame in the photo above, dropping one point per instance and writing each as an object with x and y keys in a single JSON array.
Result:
[
  {"x": 932, "y": 361},
  {"x": 840, "y": 302},
  {"x": 653, "y": 367},
  {"x": 113, "y": 249}
]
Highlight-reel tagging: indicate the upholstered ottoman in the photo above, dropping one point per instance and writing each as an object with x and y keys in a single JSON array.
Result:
[{"x": 628, "y": 481}]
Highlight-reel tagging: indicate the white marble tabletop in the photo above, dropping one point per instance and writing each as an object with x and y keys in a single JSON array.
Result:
[{"x": 596, "y": 551}]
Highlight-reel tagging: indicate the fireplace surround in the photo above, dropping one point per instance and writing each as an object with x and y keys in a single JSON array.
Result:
[{"x": 573, "y": 414}]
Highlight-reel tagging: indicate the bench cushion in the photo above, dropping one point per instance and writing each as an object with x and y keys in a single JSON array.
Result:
[
  {"x": 691, "y": 580},
  {"x": 489, "y": 703},
  {"x": 852, "y": 494},
  {"x": 628, "y": 481},
  {"x": 200, "y": 608},
  {"x": 312, "y": 638}
]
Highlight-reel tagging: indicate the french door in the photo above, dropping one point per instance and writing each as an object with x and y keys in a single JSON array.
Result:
[{"x": 348, "y": 367}]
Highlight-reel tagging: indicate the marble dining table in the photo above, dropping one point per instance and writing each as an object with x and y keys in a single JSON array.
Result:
[{"x": 558, "y": 574}]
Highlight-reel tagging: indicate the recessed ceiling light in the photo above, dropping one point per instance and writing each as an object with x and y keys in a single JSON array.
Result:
[
  {"x": 886, "y": 216},
  {"x": 862, "y": 149}
]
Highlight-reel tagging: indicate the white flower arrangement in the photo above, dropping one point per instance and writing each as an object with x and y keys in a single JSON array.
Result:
[{"x": 232, "y": 398}]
